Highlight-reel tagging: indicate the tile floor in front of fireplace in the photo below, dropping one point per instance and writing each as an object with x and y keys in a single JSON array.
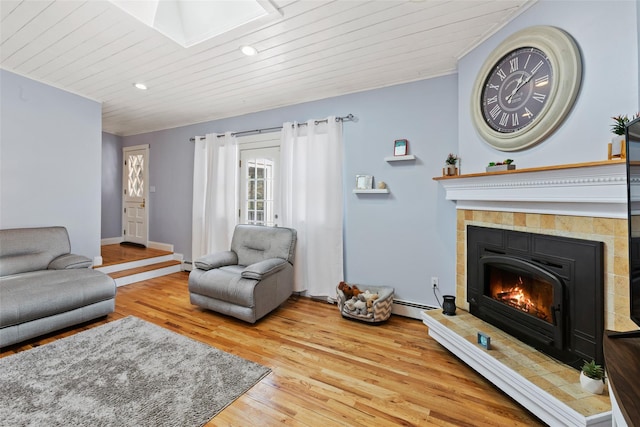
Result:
[{"x": 556, "y": 378}]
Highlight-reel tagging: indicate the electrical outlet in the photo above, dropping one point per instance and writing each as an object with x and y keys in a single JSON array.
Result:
[{"x": 434, "y": 282}]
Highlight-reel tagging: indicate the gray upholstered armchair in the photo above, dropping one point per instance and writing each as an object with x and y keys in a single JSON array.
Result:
[{"x": 250, "y": 280}]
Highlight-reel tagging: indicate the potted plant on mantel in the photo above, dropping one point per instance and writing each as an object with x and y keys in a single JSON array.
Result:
[
  {"x": 617, "y": 146},
  {"x": 450, "y": 168},
  {"x": 501, "y": 166},
  {"x": 592, "y": 377}
]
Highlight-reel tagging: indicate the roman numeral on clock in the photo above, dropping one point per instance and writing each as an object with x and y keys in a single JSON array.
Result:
[
  {"x": 501, "y": 74},
  {"x": 541, "y": 81},
  {"x": 537, "y": 67},
  {"x": 540, "y": 97},
  {"x": 495, "y": 111},
  {"x": 513, "y": 63}
]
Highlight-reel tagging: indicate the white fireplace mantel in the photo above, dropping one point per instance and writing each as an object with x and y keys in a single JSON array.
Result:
[{"x": 596, "y": 189}]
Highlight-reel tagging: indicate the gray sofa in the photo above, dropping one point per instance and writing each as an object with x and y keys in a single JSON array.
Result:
[
  {"x": 250, "y": 280},
  {"x": 43, "y": 287}
]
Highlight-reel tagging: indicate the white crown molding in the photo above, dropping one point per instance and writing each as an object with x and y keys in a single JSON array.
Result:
[{"x": 598, "y": 190}]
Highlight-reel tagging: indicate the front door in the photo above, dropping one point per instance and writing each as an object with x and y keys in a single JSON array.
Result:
[{"x": 135, "y": 182}]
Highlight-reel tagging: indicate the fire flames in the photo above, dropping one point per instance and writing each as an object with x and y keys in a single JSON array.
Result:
[{"x": 516, "y": 297}]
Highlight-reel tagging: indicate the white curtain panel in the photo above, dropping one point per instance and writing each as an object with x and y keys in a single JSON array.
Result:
[
  {"x": 215, "y": 190},
  {"x": 312, "y": 202}
]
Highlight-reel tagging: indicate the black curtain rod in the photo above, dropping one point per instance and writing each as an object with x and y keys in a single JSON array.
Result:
[{"x": 348, "y": 117}]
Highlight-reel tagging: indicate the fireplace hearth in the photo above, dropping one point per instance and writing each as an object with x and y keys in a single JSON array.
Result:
[{"x": 547, "y": 291}]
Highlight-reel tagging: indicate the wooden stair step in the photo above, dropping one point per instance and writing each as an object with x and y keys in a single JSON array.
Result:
[
  {"x": 137, "y": 270},
  {"x": 119, "y": 254}
]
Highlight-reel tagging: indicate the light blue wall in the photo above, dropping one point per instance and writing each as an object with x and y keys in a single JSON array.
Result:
[
  {"x": 607, "y": 34},
  {"x": 50, "y": 150},
  {"x": 111, "y": 186},
  {"x": 401, "y": 239},
  {"x": 638, "y": 46}
]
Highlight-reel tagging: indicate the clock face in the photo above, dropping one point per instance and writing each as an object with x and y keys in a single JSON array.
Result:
[
  {"x": 517, "y": 90},
  {"x": 526, "y": 88}
]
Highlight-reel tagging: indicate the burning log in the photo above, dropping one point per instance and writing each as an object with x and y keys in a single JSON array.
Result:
[
  {"x": 509, "y": 295},
  {"x": 516, "y": 298}
]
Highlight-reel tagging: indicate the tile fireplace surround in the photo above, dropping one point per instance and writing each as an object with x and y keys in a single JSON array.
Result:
[{"x": 584, "y": 201}]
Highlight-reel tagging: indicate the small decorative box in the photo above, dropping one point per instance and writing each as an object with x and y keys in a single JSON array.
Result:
[
  {"x": 484, "y": 340},
  {"x": 498, "y": 168}
]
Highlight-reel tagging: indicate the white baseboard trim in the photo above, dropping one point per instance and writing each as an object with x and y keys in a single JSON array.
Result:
[
  {"x": 160, "y": 246},
  {"x": 111, "y": 241},
  {"x": 97, "y": 261},
  {"x": 409, "y": 309}
]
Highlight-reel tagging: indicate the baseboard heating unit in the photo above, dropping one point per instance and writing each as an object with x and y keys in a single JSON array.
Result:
[{"x": 409, "y": 308}]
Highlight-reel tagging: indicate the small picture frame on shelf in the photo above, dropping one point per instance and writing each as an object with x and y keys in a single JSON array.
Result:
[
  {"x": 364, "y": 182},
  {"x": 400, "y": 147}
]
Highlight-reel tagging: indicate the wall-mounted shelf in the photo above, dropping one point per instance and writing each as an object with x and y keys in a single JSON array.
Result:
[
  {"x": 400, "y": 158},
  {"x": 372, "y": 191}
]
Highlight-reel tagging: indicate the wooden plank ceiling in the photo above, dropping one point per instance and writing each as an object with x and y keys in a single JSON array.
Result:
[{"x": 317, "y": 49}]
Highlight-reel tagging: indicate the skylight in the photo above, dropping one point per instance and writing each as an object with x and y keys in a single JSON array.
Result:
[{"x": 189, "y": 22}]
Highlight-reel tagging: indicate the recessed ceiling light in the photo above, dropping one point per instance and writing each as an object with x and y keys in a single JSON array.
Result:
[
  {"x": 249, "y": 50},
  {"x": 140, "y": 86}
]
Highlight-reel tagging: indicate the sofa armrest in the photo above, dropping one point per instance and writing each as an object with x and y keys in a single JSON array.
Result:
[
  {"x": 262, "y": 269},
  {"x": 69, "y": 261},
  {"x": 216, "y": 260}
]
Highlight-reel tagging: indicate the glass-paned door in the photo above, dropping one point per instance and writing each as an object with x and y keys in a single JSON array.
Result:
[
  {"x": 135, "y": 211},
  {"x": 258, "y": 185}
]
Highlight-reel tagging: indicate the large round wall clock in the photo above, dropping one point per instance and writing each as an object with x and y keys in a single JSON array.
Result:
[{"x": 526, "y": 88}]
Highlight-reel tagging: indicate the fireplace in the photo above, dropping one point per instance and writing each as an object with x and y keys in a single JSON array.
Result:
[{"x": 545, "y": 290}]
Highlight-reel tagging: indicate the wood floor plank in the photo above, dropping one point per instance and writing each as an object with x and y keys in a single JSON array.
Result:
[
  {"x": 118, "y": 254},
  {"x": 326, "y": 371}
]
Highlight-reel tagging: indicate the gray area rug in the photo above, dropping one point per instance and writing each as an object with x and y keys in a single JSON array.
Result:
[{"x": 125, "y": 373}]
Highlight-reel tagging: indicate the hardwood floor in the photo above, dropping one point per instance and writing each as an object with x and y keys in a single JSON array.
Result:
[
  {"x": 327, "y": 371},
  {"x": 116, "y": 254}
]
